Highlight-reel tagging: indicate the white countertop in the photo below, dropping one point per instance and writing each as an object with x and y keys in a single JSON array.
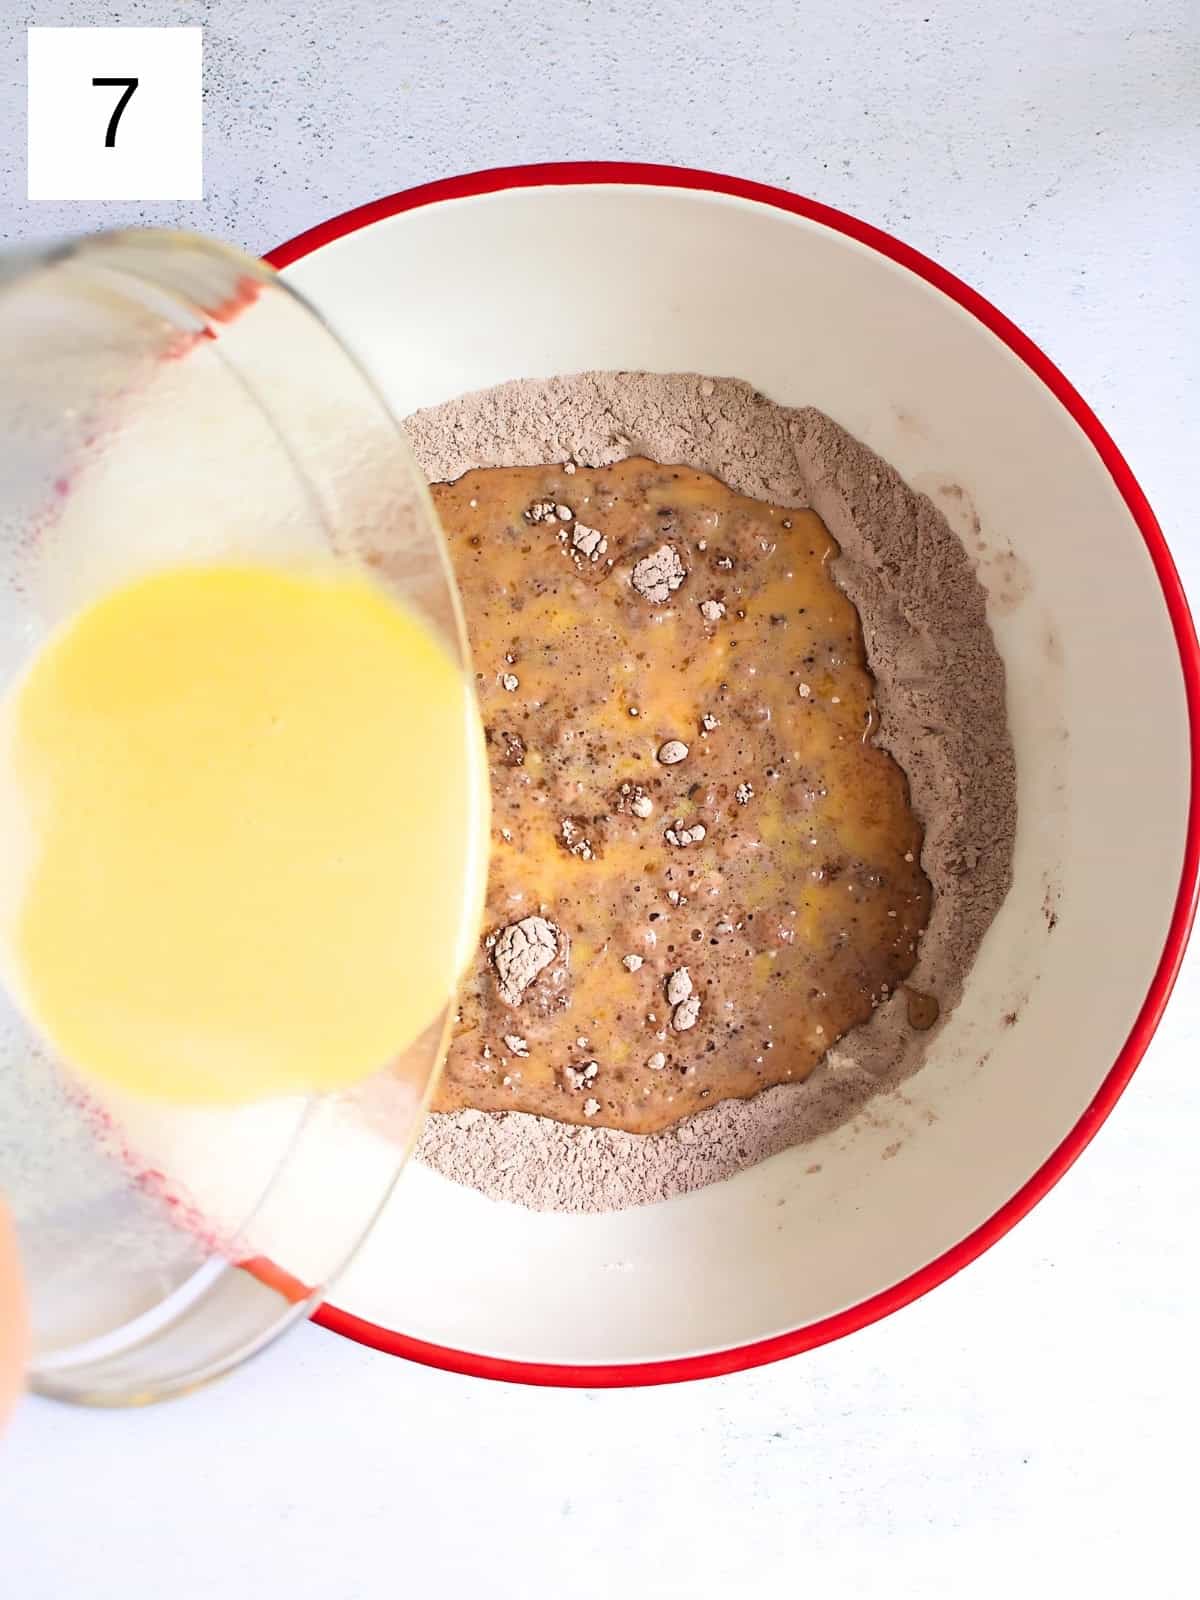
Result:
[{"x": 1033, "y": 1422}]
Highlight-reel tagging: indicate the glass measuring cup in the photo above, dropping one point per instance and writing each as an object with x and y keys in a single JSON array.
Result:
[{"x": 169, "y": 400}]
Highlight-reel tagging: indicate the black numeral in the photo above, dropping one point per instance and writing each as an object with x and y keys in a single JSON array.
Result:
[{"x": 129, "y": 85}]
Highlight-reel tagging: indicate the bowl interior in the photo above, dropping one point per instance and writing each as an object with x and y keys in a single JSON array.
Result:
[{"x": 530, "y": 282}]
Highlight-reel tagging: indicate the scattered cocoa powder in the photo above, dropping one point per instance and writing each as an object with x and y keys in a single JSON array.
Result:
[{"x": 941, "y": 697}]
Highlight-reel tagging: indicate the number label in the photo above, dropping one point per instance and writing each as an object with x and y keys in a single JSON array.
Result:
[
  {"x": 115, "y": 113},
  {"x": 129, "y": 85}
]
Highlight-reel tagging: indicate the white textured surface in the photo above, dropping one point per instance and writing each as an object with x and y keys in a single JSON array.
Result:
[{"x": 1030, "y": 1424}]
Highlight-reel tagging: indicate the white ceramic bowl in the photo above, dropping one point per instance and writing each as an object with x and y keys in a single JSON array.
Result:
[{"x": 542, "y": 270}]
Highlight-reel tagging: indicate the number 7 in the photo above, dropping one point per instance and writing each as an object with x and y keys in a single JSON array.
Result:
[{"x": 129, "y": 85}]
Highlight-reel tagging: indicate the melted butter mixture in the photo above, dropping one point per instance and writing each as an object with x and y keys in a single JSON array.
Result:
[
  {"x": 209, "y": 814},
  {"x": 703, "y": 871}
]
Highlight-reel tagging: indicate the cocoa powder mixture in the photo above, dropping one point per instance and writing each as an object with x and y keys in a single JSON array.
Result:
[{"x": 940, "y": 696}]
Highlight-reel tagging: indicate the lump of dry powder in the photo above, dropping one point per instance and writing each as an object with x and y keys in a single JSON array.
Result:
[
  {"x": 520, "y": 952},
  {"x": 658, "y": 575}
]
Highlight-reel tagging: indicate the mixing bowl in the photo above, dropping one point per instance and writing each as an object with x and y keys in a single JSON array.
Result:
[{"x": 542, "y": 270}]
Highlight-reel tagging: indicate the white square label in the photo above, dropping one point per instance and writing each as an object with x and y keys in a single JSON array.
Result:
[{"x": 114, "y": 113}]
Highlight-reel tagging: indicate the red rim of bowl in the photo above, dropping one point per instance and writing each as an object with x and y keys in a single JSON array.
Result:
[{"x": 757, "y": 1353}]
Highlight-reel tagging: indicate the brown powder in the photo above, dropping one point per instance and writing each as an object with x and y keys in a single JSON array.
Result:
[{"x": 941, "y": 696}]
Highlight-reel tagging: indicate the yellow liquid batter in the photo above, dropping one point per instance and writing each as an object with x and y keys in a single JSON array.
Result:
[{"x": 253, "y": 808}]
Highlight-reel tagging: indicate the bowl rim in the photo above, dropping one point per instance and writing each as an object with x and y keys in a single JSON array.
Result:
[{"x": 759, "y": 1352}]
